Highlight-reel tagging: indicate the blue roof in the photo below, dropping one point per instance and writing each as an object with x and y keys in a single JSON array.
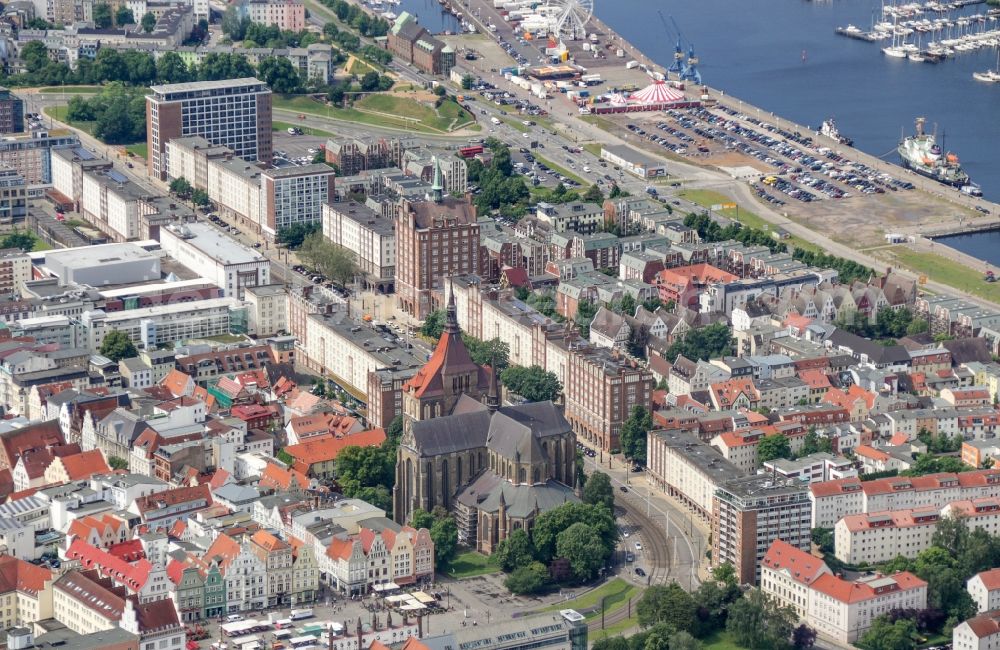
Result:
[{"x": 117, "y": 176}]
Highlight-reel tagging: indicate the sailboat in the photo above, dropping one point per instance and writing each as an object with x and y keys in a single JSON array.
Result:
[
  {"x": 990, "y": 76},
  {"x": 895, "y": 50}
]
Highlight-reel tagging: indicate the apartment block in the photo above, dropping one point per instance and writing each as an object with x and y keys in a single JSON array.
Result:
[
  {"x": 600, "y": 391},
  {"x": 355, "y": 155},
  {"x": 369, "y": 235},
  {"x": 748, "y": 514},
  {"x": 235, "y": 113},
  {"x": 286, "y": 15},
  {"x": 29, "y": 154},
  {"x": 984, "y": 587},
  {"x": 154, "y": 326},
  {"x": 687, "y": 469},
  {"x": 294, "y": 195},
  {"x": 11, "y": 112},
  {"x": 15, "y": 270},
  {"x": 267, "y": 309}
]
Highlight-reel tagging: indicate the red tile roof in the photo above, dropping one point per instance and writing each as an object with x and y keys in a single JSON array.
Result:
[
  {"x": 867, "y": 451},
  {"x": 801, "y": 566},
  {"x": 324, "y": 448},
  {"x": 129, "y": 575},
  {"x": 173, "y": 497},
  {"x": 85, "y": 464},
  {"x": 857, "y": 591},
  {"x": 834, "y": 487},
  {"x": 18, "y": 575},
  {"x": 990, "y": 579},
  {"x": 275, "y": 476}
]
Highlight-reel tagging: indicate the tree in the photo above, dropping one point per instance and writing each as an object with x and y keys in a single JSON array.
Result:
[
  {"x": 684, "y": 641},
  {"x": 534, "y": 383},
  {"x": 549, "y": 524},
  {"x": 823, "y": 538},
  {"x": 515, "y": 551},
  {"x": 117, "y": 346},
  {"x": 883, "y": 635},
  {"x": 803, "y": 637},
  {"x": 758, "y": 623},
  {"x": 181, "y": 187},
  {"x": 812, "y": 443},
  {"x": 633, "y": 433},
  {"x": 171, "y": 69},
  {"x": 116, "y": 462},
  {"x": 369, "y": 82},
  {"x": 292, "y": 236},
  {"x": 488, "y": 353},
  {"x": 668, "y": 604},
  {"x": 576, "y": 544},
  {"x": 35, "y": 56},
  {"x": 585, "y": 312},
  {"x": 440, "y": 90},
  {"x": 467, "y": 82},
  {"x": 626, "y": 306},
  {"x": 199, "y": 197},
  {"x": 444, "y": 534},
  {"x": 598, "y": 490},
  {"x": 123, "y": 16},
  {"x": 420, "y": 518},
  {"x": 234, "y": 25},
  {"x": 703, "y": 343},
  {"x": 23, "y": 240},
  {"x": 593, "y": 195},
  {"x": 335, "y": 262},
  {"x": 359, "y": 467},
  {"x": 433, "y": 325},
  {"x": 102, "y": 15},
  {"x": 772, "y": 447},
  {"x": 278, "y": 73},
  {"x": 528, "y": 579},
  {"x": 377, "y": 495},
  {"x": 148, "y": 22}
]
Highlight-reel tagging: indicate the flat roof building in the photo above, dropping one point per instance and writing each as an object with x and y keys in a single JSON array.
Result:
[
  {"x": 235, "y": 113},
  {"x": 106, "y": 264},
  {"x": 207, "y": 252},
  {"x": 634, "y": 161}
]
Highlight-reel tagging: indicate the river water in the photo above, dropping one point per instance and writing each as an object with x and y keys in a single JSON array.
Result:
[{"x": 783, "y": 56}]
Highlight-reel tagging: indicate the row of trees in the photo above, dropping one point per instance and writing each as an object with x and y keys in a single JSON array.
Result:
[
  {"x": 535, "y": 384},
  {"x": 333, "y": 261},
  {"x": 293, "y": 236},
  {"x": 183, "y": 189},
  {"x": 673, "y": 619},
  {"x": 369, "y": 473},
  {"x": 118, "y": 113},
  {"x": 582, "y": 534},
  {"x": 710, "y": 231},
  {"x": 353, "y": 15},
  {"x": 889, "y": 324},
  {"x": 847, "y": 270},
  {"x": 485, "y": 353}
]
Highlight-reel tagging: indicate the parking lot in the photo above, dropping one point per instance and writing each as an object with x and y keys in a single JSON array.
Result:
[{"x": 295, "y": 149}]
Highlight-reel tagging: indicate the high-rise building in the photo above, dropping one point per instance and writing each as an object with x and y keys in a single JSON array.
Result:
[
  {"x": 294, "y": 195},
  {"x": 435, "y": 239},
  {"x": 750, "y": 513},
  {"x": 11, "y": 112},
  {"x": 235, "y": 113}
]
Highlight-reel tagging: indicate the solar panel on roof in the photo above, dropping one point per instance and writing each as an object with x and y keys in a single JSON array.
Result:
[
  {"x": 117, "y": 176},
  {"x": 83, "y": 154}
]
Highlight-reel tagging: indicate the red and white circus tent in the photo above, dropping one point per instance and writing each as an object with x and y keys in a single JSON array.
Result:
[
  {"x": 658, "y": 92},
  {"x": 657, "y": 96}
]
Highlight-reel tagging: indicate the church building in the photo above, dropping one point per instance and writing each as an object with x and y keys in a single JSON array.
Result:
[{"x": 495, "y": 467}]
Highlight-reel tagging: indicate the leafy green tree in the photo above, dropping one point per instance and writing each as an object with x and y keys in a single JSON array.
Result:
[
  {"x": 488, "y": 353},
  {"x": 684, "y": 641},
  {"x": 633, "y": 433},
  {"x": 823, "y": 538},
  {"x": 626, "y": 306},
  {"x": 102, "y": 15},
  {"x": 757, "y": 622},
  {"x": 123, "y": 16},
  {"x": 234, "y": 25},
  {"x": 364, "y": 467},
  {"x": 773, "y": 446},
  {"x": 668, "y": 604},
  {"x": 593, "y": 195},
  {"x": 377, "y": 495},
  {"x": 278, "y": 73},
  {"x": 576, "y": 544},
  {"x": 703, "y": 343},
  {"x": 599, "y": 491},
  {"x": 369, "y": 82},
  {"x": 293, "y": 236},
  {"x": 883, "y": 635},
  {"x": 35, "y": 56},
  {"x": 20, "y": 239},
  {"x": 515, "y": 551},
  {"x": 467, "y": 82},
  {"x": 534, "y": 384},
  {"x": 444, "y": 534},
  {"x": 116, "y": 462},
  {"x": 117, "y": 346},
  {"x": 585, "y": 312},
  {"x": 181, "y": 187},
  {"x": 420, "y": 518},
  {"x": 803, "y": 637},
  {"x": 335, "y": 262},
  {"x": 148, "y": 22},
  {"x": 433, "y": 325},
  {"x": 199, "y": 197},
  {"x": 531, "y": 578},
  {"x": 549, "y": 524},
  {"x": 812, "y": 443}
]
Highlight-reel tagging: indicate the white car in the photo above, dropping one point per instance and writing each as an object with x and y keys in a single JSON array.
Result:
[
  {"x": 625, "y": 534},
  {"x": 638, "y": 546}
]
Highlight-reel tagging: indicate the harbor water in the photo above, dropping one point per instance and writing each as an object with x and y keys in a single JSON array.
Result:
[
  {"x": 430, "y": 13},
  {"x": 982, "y": 245},
  {"x": 783, "y": 56}
]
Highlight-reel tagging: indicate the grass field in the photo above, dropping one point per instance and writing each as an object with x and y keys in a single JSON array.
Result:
[
  {"x": 307, "y": 130},
  {"x": 617, "y": 593},
  {"x": 41, "y": 246},
  {"x": 946, "y": 271},
  {"x": 70, "y": 90},
  {"x": 140, "y": 149},
  {"x": 594, "y": 148},
  {"x": 385, "y": 111},
  {"x": 471, "y": 563},
  {"x": 59, "y": 113}
]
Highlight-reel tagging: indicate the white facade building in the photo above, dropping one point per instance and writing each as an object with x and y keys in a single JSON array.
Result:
[
  {"x": 205, "y": 251},
  {"x": 984, "y": 587}
]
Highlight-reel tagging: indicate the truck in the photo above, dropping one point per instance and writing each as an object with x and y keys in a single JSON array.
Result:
[
  {"x": 632, "y": 65},
  {"x": 591, "y": 79},
  {"x": 496, "y": 121},
  {"x": 299, "y": 614}
]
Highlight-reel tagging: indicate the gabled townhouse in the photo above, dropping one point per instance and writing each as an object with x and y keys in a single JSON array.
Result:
[
  {"x": 162, "y": 509},
  {"x": 244, "y": 573},
  {"x": 25, "y": 591},
  {"x": 101, "y": 531},
  {"x": 984, "y": 587},
  {"x": 125, "y": 564}
]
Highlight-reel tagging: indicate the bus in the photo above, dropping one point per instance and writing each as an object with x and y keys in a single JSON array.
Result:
[
  {"x": 301, "y": 642},
  {"x": 242, "y": 628},
  {"x": 281, "y": 635},
  {"x": 470, "y": 151}
]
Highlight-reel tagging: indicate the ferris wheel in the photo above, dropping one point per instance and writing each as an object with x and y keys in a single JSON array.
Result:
[{"x": 572, "y": 17}]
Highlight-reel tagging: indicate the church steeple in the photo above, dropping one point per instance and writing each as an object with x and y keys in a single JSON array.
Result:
[
  {"x": 437, "y": 187},
  {"x": 451, "y": 320},
  {"x": 493, "y": 396}
]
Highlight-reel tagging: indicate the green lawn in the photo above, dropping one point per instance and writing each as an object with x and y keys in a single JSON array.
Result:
[
  {"x": 946, "y": 271},
  {"x": 385, "y": 111},
  {"x": 59, "y": 113},
  {"x": 594, "y": 148},
  {"x": 562, "y": 171},
  {"x": 41, "y": 245},
  {"x": 617, "y": 591},
  {"x": 71, "y": 90},
  {"x": 471, "y": 563},
  {"x": 139, "y": 149},
  {"x": 227, "y": 338},
  {"x": 618, "y": 628},
  {"x": 720, "y": 640},
  {"x": 601, "y": 122},
  {"x": 307, "y": 130}
]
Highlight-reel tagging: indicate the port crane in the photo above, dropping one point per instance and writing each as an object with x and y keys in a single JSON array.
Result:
[{"x": 678, "y": 65}]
